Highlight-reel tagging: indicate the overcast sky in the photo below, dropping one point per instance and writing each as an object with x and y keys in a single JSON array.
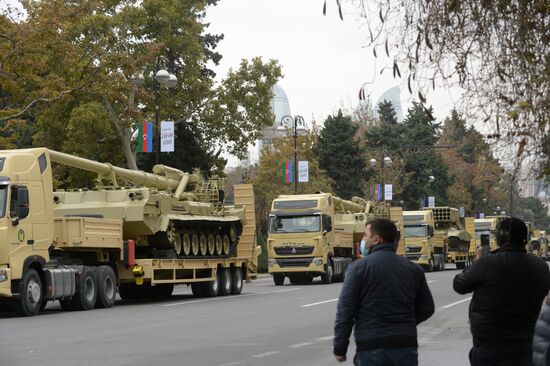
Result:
[{"x": 324, "y": 60}]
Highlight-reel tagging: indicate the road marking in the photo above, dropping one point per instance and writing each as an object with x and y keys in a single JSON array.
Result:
[
  {"x": 300, "y": 345},
  {"x": 232, "y": 363},
  {"x": 430, "y": 281},
  {"x": 230, "y": 297},
  {"x": 327, "y": 338},
  {"x": 265, "y": 354},
  {"x": 319, "y": 303},
  {"x": 456, "y": 303}
]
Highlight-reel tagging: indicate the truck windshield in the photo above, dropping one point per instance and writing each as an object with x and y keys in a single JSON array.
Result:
[
  {"x": 418, "y": 231},
  {"x": 3, "y": 199},
  {"x": 484, "y": 232},
  {"x": 294, "y": 224}
]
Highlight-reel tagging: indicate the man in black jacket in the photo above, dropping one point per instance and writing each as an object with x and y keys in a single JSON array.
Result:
[
  {"x": 509, "y": 286},
  {"x": 384, "y": 297}
]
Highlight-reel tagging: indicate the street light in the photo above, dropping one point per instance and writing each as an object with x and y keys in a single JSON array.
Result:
[
  {"x": 162, "y": 78},
  {"x": 386, "y": 162},
  {"x": 286, "y": 121}
]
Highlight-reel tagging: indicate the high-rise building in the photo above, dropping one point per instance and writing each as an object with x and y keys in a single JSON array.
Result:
[{"x": 392, "y": 95}]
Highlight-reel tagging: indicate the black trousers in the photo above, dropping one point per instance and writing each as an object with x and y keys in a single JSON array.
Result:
[{"x": 520, "y": 355}]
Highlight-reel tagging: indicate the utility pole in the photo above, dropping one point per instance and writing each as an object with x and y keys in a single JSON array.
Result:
[{"x": 295, "y": 155}]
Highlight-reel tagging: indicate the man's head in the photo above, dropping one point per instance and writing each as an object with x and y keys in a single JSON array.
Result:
[
  {"x": 380, "y": 231},
  {"x": 512, "y": 231}
]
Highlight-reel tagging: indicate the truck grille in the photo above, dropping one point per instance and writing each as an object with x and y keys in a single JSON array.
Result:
[
  {"x": 411, "y": 249},
  {"x": 412, "y": 257},
  {"x": 298, "y": 262},
  {"x": 294, "y": 250}
]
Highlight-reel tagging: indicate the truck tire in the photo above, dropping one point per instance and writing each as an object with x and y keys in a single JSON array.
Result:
[
  {"x": 210, "y": 288},
  {"x": 278, "y": 279},
  {"x": 106, "y": 287},
  {"x": 326, "y": 277},
  {"x": 430, "y": 266},
  {"x": 236, "y": 280},
  {"x": 162, "y": 291},
  {"x": 86, "y": 296},
  {"x": 30, "y": 294},
  {"x": 224, "y": 276}
]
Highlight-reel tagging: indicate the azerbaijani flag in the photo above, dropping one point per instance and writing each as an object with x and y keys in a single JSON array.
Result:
[
  {"x": 423, "y": 201},
  {"x": 145, "y": 137},
  {"x": 378, "y": 191},
  {"x": 286, "y": 171}
]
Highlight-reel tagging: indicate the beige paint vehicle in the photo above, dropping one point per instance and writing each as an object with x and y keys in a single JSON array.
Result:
[
  {"x": 486, "y": 229},
  {"x": 420, "y": 241},
  {"x": 534, "y": 245},
  {"x": 313, "y": 235},
  {"x": 137, "y": 232},
  {"x": 451, "y": 241}
]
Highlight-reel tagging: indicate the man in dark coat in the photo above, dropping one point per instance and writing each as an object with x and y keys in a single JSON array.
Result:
[
  {"x": 509, "y": 286},
  {"x": 541, "y": 339},
  {"x": 384, "y": 297}
]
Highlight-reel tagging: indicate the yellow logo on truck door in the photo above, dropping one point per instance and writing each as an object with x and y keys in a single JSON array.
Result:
[{"x": 21, "y": 235}]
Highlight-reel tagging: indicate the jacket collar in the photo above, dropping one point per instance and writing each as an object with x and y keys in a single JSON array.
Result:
[
  {"x": 511, "y": 248},
  {"x": 386, "y": 247}
]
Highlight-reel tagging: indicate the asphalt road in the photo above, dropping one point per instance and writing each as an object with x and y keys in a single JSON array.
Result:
[{"x": 265, "y": 325}]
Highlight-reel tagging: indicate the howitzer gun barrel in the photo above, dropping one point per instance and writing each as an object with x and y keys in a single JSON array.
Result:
[
  {"x": 169, "y": 182},
  {"x": 356, "y": 204}
]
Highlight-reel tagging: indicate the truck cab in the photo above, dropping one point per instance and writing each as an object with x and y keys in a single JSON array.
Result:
[
  {"x": 486, "y": 233},
  {"x": 419, "y": 238}
]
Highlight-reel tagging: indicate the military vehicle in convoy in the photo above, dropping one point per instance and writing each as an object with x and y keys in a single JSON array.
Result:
[
  {"x": 135, "y": 231},
  {"x": 451, "y": 238},
  {"x": 313, "y": 235},
  {"x": 420, "y": 243}
]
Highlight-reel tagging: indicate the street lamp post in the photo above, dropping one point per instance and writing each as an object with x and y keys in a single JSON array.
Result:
[
  {"x": 386, "y": 161},
  {"x": 164, "y": 78},
  {"x": 286, "y": 121}
]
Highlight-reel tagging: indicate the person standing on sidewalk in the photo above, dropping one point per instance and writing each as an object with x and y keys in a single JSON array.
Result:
[
  {"x": 384, "y": 297},
  {"x": 509, "y": 286}
]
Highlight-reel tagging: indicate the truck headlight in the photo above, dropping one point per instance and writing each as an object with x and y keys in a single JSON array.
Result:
[
  {"x": 425, "y": 257},
  {"x": 317, "y": 261},
  {"x": 3, "y": 275},
  {"x": 272, "y": 262}
]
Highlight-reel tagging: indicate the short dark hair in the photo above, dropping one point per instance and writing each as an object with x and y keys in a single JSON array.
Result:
[
  {"x": 512, "y": 231},
  {"x": 385, "y": 228}
]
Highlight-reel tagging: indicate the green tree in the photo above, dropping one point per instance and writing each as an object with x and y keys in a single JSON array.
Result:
[
  {"x": 340, "y": 156},
  {"x": 268, "y": 180},
  {"x": 532, "y": 209},
  {"x": 65, "y": 54},
  {"x": 422, "y": 161},
  {"x": 476, "y": 173}
]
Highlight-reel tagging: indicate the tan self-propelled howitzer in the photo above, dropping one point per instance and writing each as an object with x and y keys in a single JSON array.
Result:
[{"x": 169, "y": 213}]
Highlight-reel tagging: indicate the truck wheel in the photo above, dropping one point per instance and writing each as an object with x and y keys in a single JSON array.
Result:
[
  {"x": 224, "y": 276},
  {"x": 211, "y": 288},
  {"x": 86, "y": 296},
  {"x": 278, "y": 279},
  {"x": 236, "y": 280},
  {"x": 430, "y": 266},
  {"x": 106, "y": 287},
  {"x": 326, "y": 277},
  {"x": 30, "y": 291},
  {"x": 162, "y": 291}
]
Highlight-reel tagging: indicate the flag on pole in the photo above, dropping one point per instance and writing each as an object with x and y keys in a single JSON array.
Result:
[
  {"x": 378, "y": 192},
  {"x": 145, "y": 137},
  {"x": 286, "y": 171},
  {"x": 423, "y": 201}
]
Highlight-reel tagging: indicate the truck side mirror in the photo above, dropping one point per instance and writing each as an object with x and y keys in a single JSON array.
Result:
[
  {"x": 327, "y": 223},
  {"x": 19, "y": 204},
  {"x": 430, "y": 231}
]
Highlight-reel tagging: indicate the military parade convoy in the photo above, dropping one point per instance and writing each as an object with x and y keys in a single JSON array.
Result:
[{"x": 138, "y": 234}]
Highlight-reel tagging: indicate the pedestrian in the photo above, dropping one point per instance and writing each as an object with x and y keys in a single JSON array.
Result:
[
  {"x": 384, "y": 297},
  {"x": 541, "y": 339},
  {"x": 509, "y": 286}
]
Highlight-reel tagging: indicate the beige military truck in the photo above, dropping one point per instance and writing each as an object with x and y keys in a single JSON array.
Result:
[
  {"x": 137, "y": 232},
  {"x": 486, "y": 230},
  {"x": 313, "y": 235},
  {"x": 452, "y": 240},
  {"x": 420, "y": 243},
  {"x": 534, "y": 245}
]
